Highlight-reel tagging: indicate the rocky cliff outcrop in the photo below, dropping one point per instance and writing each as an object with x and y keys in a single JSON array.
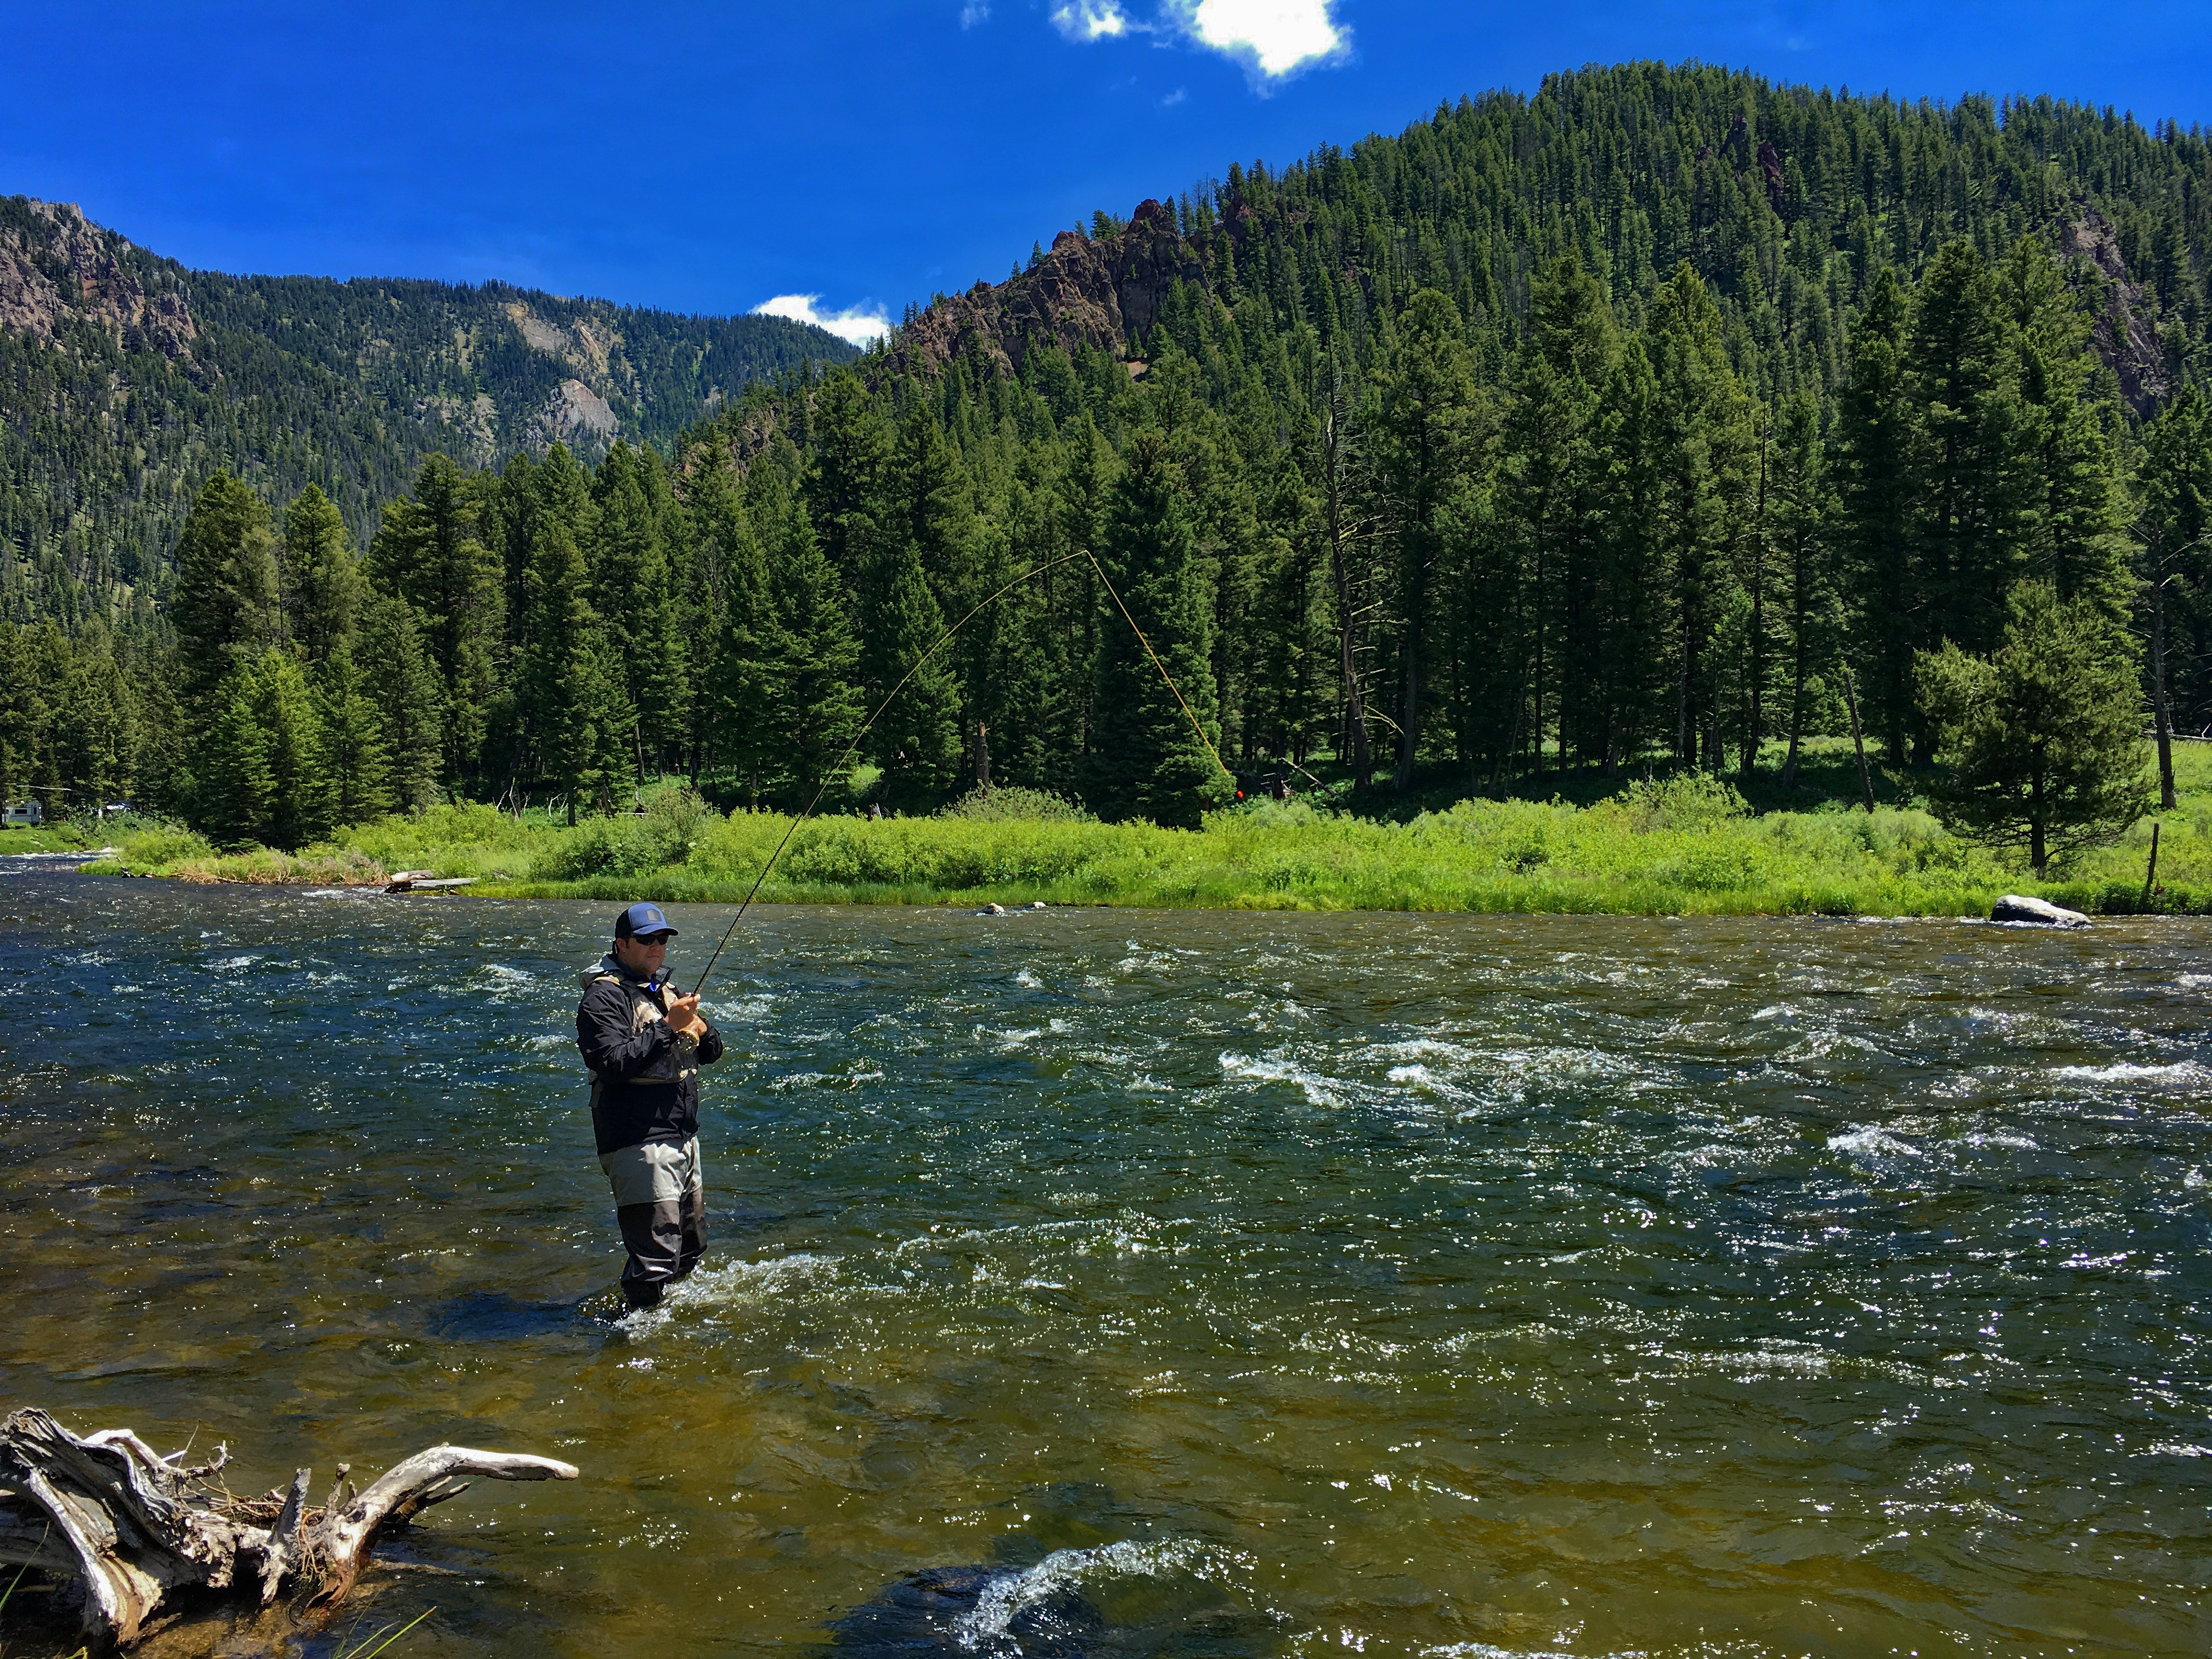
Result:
[
  {"x": 2122, "y": 333},
  {"x": 1084, "y": 293},
  {"x": 575, "y": 416},
  {"x": 56, "y": 266}
]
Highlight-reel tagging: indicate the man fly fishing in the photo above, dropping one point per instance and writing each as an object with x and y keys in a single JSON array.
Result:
[{"x": 644, "y": 1045}]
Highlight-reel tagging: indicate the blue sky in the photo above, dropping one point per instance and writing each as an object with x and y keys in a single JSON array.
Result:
[{"x": 713, "y": 157}]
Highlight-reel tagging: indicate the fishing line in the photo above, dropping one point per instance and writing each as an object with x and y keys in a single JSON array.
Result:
[{"x": 853, "y": 748}]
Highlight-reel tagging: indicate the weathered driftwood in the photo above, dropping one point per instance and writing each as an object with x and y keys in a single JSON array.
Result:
[
  {"x": 129, "y": 1526},
  {"x": 424, "y": 881}
]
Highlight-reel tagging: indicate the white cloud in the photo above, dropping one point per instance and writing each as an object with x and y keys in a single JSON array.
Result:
[
  {"x": 1091, "y": 20},
  {"x": 1271, "y": 38},
  {"x": 975, "y": 12},
  {"x": 857, "y": 325},
  {"x": 1274, "y": 37}
]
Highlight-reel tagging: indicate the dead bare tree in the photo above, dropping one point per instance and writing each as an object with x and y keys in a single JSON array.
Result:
[{"x": 132, "y": 1527}]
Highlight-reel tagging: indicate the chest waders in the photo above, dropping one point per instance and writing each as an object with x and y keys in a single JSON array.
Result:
[{"x": 660, "y": 1186}]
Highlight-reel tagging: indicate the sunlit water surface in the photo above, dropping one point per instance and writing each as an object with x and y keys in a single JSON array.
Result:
[{"x": 1099, "y": 1282}]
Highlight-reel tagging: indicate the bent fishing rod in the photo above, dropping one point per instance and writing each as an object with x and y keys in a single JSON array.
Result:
[{"x": 853, "y": 748}]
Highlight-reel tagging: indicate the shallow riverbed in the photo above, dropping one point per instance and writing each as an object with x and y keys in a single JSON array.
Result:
[{"x": 1156, "y": 1282}]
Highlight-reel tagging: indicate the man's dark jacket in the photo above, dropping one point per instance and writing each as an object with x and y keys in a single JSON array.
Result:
[{"x": 645, "y": 1083}]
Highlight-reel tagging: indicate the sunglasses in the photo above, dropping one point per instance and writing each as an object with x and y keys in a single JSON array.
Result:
[{"x": 650, "y": 938}]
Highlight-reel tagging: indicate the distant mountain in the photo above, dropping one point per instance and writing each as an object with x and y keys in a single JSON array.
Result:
[{"x": 125, "y": 379}]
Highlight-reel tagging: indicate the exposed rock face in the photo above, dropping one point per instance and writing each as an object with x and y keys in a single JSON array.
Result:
[
  {"x": 63, "y": 267},
  {"x": 2122, "y": 336},
  {"x": 2042, "y": 913},
  {"x": 1103, "y": 294},
  {"x": 575, "y": 416}
]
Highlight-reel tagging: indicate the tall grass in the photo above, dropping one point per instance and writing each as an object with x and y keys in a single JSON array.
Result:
[{"x": 1685, "y": 845}]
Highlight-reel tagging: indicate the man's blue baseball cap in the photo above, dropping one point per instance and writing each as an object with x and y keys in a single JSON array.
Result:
[{"x": 640, "y": 920}]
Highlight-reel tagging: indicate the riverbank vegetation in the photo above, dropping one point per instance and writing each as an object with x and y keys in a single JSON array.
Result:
[
  {"x": 1689, "y": 845},
  {"x": 1668, "y": 423}
]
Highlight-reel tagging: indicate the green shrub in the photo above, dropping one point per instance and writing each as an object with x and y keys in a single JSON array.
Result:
[
  {"x": 1005, "y": 805},
  {"x": 162, "y": 844}
]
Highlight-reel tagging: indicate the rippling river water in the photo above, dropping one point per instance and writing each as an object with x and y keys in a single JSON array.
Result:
[{"x": 1108, "y": 1282}]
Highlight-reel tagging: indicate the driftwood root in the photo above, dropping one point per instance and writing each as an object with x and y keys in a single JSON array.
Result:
[{"x": 130, "y": 1527}]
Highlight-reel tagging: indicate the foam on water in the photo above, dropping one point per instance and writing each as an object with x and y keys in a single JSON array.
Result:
[
  {"x": 2130, "y": 1071},
  {"x": 988, "y": 1625},
  {"x": 1275, "y": 1068},
  {"x": 1871, "y": 1140}
]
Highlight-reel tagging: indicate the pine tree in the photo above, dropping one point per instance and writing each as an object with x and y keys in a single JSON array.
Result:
[
  {"x": 1146, "y": 761},
  {"x": 2071, "y": 500},
  {"x": 322, "y": 580},
  {"x": 820, "y": 704},
  {"x": 844, "y": 483},
  {"x": 1637, "y": 670},
  {"x": 427, "y": 552},
  {"x": 355, "y": 750},
  {"x": 1704, "y": 486},
  {"x": 227, "y": 601},
  {"x": 1550, "y": 478},
  {"x": 1426, "y": 410},
  {"x": 1798, "y": 493},
  {"x": 237, "y": 785},
  {"x": 2173, "y": 530},
  {"x": 633, "y": 592},
  {"x": 1967, "y": 450},
  {"x": 917, "y": 738},
  {"x": 2043, "y": 737},
  {"x": 559, "y": 699},
  {"x": 1874, "y": 513},
  {"x": 303, "y": 802},
  {"x": 403, "y": 682}
]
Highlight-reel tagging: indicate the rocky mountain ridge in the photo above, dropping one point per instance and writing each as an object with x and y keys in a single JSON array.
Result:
[{"x": 126, "y": 378}]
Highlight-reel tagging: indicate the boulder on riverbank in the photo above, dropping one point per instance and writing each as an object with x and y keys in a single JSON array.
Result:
[{"x": 2041, "y": 913}]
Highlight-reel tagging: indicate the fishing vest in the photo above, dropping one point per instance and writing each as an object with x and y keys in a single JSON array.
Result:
[{"x": 645, "y": 1007}]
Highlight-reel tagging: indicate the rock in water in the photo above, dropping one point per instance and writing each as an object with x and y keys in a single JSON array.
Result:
[
  {"x": 2016, "y": 907},
  {"x": 992, "y": 911}
]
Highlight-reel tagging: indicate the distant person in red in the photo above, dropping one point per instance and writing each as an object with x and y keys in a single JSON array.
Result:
[{"x": 645, "y": 1045}]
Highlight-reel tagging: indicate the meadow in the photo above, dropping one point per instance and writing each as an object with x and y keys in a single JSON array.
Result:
[{"x": 1675, "y": 846}]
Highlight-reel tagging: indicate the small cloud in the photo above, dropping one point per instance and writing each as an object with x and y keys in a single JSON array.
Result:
[
  {"x": 1271, "y": 38},
  {"x": 1173, "y": 98},
  {"x": 1274, "y": 38},
  {"x": 975, "y": 12},
  {"x": 858, "y": 325},
  {"x": 1085, "y": 21}
]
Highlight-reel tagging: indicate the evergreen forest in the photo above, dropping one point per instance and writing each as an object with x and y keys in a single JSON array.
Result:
[{"x": 1668, "y": 419}]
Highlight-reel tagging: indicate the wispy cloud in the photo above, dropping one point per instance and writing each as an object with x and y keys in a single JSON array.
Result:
[
  {"x": 858, "y": 325},
  {"x": 1086, "y": 21},
  {"x": 1272, "y": 39},
  {"x": 975, "y": 12}
]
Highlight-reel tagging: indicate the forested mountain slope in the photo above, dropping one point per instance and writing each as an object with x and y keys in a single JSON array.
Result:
[
  {"x": 126, "y": 380},
  {"x": 1639, "y": 423},
  {"x": 1783, "y": 199}
]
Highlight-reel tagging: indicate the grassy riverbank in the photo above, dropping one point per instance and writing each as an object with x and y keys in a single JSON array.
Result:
[{"x": 1680, "y": 847}]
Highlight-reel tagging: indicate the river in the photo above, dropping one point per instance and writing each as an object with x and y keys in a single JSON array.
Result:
[{"x": 1131, "y": 1283}]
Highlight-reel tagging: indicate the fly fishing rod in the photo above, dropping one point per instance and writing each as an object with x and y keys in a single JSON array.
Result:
[{"x": 853, "y": 747}]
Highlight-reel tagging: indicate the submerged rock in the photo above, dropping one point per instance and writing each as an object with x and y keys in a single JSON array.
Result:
[
  {"x": 2016, "y": 907},
  {"x": 965, "y": 1610}
]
